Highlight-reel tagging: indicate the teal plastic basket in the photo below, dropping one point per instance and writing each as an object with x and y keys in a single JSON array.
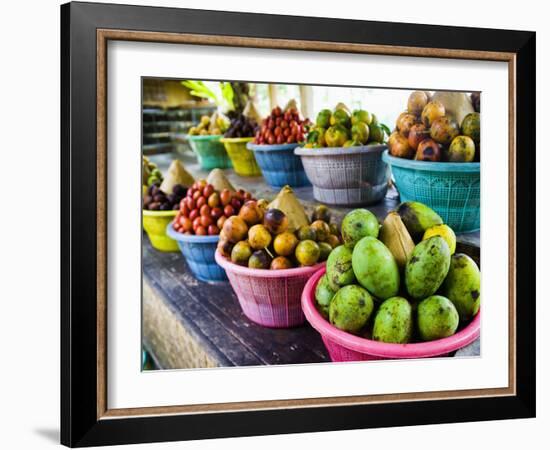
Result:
[
  {"x": 210, "y": 152},
  {"x": 451, "y": 189}
]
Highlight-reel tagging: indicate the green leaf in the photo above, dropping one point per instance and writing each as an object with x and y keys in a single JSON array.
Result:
[{"x": 385, "y": 128}]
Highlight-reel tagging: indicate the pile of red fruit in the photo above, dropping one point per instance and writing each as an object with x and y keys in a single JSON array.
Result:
[
  {"x": 204, "y": 210},
  {"x": 282, "y": 128}
]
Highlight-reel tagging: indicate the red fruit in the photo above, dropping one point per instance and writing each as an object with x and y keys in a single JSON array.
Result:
[
  {"x": 196, "y": 195},
  {"x": 284, "y": 123},
  {"x": 278, "y": 121},
  {"x": 271, "y": 139},
  {"x": 236, "y": 203},
  {"x": 184, "y": 209},
  {"x": 216, "y": 213},
  {"x": 228, "y": 211},
  {"x": 288, "y": 116},
  {"x": 286, "y": 132},
  {"x": 277, "y": 132},
  {"x": 206, "y": 221},
  {"x": 291, "y": 139},
  {"x": 190, "y": 192},
  {"x": 201, "y": 201},
  {"x": 205, "y": 210},
  {"x": 213, "y": 230},
  {"x": 277, "y": 111},
  {"x": 208, "y": 191},
  {"x": 196, "y": 223},
  {"x": 280, "y": 139},
  {"x": 247, "y": 195},
  {"x": 270, "y": 124},
  {"x": 201, "y": 184},
  {"x": 186, "y": 224},
  {"x": 225, "y": 197},
  {"x": 264, "y": 129},
  {"x": 200, "y": 231},
  {"x": 193, "y": 214},
  {"x": 190, "y": 203}
]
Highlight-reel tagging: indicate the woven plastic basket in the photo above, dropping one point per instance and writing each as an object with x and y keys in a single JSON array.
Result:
[
  {"x": 242, "y": 158},
  {"x": 451, "y": 189},
  {"x": 210, "y": 152},
  {"x": 154, "y": 224},
  {"x": 343, "y": 346},
  {"x": 280, "y": 166},
  {"x": 270, "y": 298},
  {"x": 348, "y": 176},
  {"x": 198, "y": 252}
]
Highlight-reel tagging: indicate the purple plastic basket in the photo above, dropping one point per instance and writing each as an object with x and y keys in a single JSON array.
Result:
[{"x": 271, "y": 298}]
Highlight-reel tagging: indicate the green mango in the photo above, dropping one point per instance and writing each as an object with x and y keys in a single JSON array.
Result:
[
  {"x": 323, "y": 296},
  {"x": 393, "y": 322},
  {"x": 323, "y": 118},
  {"x": 360, "y": 132},
  {"x": 351, "y": 308},
  {"x": 418, "y": 217},
  {"x": 360, "y": 115},
  {"x": 375, "y": 268},
  {"x": 339, "y": 268},
  {"x": 376, "y": 133},
  {"x": 340, "y": 117},
  {"x": 357, "y": 224},
  {"x": 437, "y": 318},
  {"x": 427, "y": 267},
  {"x": 462, "y": 286}
]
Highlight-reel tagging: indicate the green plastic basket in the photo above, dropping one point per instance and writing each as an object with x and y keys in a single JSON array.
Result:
[
  {"x": 451, "y": 189},
  {"x": 210, "y": 152}
]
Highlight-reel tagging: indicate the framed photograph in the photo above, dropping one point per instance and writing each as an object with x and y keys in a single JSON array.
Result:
[{"x": 278, "y": 224}]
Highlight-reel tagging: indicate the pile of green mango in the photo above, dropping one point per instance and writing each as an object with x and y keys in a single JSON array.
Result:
[
  {"x": 400, "y": 281},
  {"x": 343, "y": 128}
]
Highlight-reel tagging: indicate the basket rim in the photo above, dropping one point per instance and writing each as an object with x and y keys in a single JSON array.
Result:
[
  {"x": 208, "y": 137},
  {"x": 428, "y": 166},
  {"x": 330, "y": 151},
  {"x": 386, "y": 350},
  {"x": 271, "y": 148},
  {"x": 265, "y": 273},
  {"x": 151, "y": 213},
  {"x": 236, "y": 140},
  {"x": 193, "y": 238}
]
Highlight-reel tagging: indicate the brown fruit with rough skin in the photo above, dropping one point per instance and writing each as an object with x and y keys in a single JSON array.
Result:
[
  {"x": 322, "y": 230},
  {"x": 251, "y": 213},
  {"x": 285, "y": 243},
  {"x": 416, "y": 103},
  {"x": 275, "y": 221},
  {"x": 417, "y": 134},
  {"x": 280, "y": 263},
  {"x": 235, "y": 229},
  {"x": 399, "y": 146},
  {"x": 428, "y": 150},
  {"x": 444, "y": 130},
  {"x": 432, "y": 111},
  {"x": 405, "y": 122}
]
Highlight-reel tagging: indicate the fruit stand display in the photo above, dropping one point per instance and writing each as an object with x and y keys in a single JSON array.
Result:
[{"x": 269, "y": 274}]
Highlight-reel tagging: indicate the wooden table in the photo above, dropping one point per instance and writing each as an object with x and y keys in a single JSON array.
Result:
[{"x": 188, "y": 323}]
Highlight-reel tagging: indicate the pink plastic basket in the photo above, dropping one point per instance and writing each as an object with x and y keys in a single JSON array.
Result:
[
  {"x": 343, "y": 346},
  {"x": 270, "y": 298}
]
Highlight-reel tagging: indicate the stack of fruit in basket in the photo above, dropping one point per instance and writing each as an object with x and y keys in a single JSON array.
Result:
[
  {"x": 263, "y": 236},
  {"x": 165, "y": 194},
  {"x": 341, "y": 128},
  {"x": 282, "y": 127},
  {"x": 214, "y": 125},
  {"x": 204, "y": 210},
  {"x": 241, "y": 126},
  {"x": 401, "y": 282},
  {"x": 442, "y": 127}
]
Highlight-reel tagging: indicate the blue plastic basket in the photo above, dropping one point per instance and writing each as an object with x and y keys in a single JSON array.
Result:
[
  {"x": 451, "y": 189},
  {"x": 280, "y": 166},
  {"x": 198, "y": 252}
]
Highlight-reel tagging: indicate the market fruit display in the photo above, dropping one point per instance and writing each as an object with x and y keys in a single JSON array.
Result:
[
  {"x": 155, "y": 199},
  {"x": 213, "y": 125},
  {"x": 204, "y": 210},
  {"x": 241, "y": 126},
  {"x": 176, "y": 174},
  {"x": 441, "y": 127},
  {"x": 419, "y": 290},
  {"x": 282, "y": 127},
  {"x": 357, "y": 224},
  {"x": 340, "y": 128}
]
